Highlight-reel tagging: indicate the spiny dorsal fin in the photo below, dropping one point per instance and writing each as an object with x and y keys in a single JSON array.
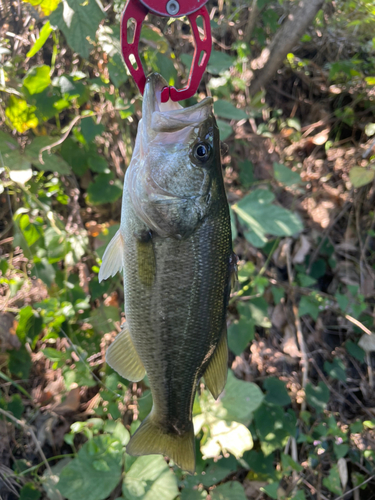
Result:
[
  {"x": 112, "y": 261},
  {"x": 215, "y": 376},
  {"x": 123, "y": 358}
]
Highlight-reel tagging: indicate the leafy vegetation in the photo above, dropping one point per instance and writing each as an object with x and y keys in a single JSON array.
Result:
[{"x": 296, "y": 420}]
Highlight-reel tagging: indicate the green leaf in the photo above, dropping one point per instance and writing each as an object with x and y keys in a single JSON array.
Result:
[
  {"x": 309, "y": 305},
  {"x": 52, "y": 162},
  {"x": 246, "y": 173},
  {"x": 278, "y": 294},
  {"x": 188, "y": 494},
  {"x": 75, "y": 156},
  {"x": 117, "y": 71},
  {"x": 225, "y": 129},
  {"x": 149, "y": 478},
  {"x": 340, "y": 450},
  {"x": 355, "y": 351},
  {"x": 29, "y": 492},
  {"x": 260, "y": 463},
  {"x": 19, "y": 363},
  {"x": 229, "y": 491},
  {"x": 29, "y": 325},
  {"x": 225, "y": 437},
  {"x": 43, "y": 36},
  {"x": 37, "y": 79},
  {"x": 226, "y": 109},
  {"x": 102, "y": 190},
  {"x": 289, "y": 465},
  {"x": 15, "y": 406},
  {"x": 285, "y": 175},
  {"x": 31, "y": 232},
  {"x": 258, "y": 311},
  {"x": 260, "y": 217},
  {"x": 98, "y": 164},
  {"x": 360, "y": 176},
  {"x": 274, "y": 427},
  {"x": 79, "y": 22},
  {"x": 46, "y": 6},
  {"x": 44, "y": 271},
  {"x": 317, "y": 396},
  {"x": 336, "y": 369},
  {"x": 276, "y": 392},
  {"x": 271, "y": 490},
  {"x": 240, "y": 400},
  {"x": 332, "y": 482},
  {"x": 21, "y": 116},
  {"x": 219, "y": 62},
  {"x": 90, "y": 129},
  {"x": 96, "y": 469},
  {"x": 240, "y": 333}
]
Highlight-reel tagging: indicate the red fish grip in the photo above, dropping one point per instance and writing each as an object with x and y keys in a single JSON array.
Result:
[{"x": 135, "y": 12}]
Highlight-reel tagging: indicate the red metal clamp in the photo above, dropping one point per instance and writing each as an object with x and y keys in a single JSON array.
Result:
[{"x": 135, "y": 12}]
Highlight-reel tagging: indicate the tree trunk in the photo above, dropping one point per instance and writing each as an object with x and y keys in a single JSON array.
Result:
[{"x": 283, "y": 42}]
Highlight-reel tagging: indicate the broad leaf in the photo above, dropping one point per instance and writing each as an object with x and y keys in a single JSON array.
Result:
[
  {"x": 20, "y": 115},
  {"x": 260, "y": 217},
  {"x": 229, "y": 491},
  {"x": 226, "y": 109},
  {"x": 224, "y": 437},
  {"x": 360, "y": 176},
  {"x": 79, "y": 22},
  {"x": 317, "y": 396},
  {"x": 103, "y": 190},
  {"x": 46, "y": 6},
  {"x": 225, "y": 129},
  {"x": 37, "y": 79},
  {"x": 150, "y": 478},
  {"x": 285, "y": 175},
  {"x": 52, "y": 162},
  {"x": 96, "y": 469}
]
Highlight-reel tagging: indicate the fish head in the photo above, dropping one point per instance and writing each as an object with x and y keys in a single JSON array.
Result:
[{"x": 175, "y": 176}]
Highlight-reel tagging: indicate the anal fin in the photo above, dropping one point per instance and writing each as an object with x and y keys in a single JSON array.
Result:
[
  {"x": 215, "y": 376},
  {"x": 123, "y": 357},
  {"x": 112, "y": 261}
]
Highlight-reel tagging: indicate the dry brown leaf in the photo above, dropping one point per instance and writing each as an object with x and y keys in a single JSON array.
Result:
[
  {"x": 278, "y": 318},
  {"x": 71, "y": 402},
  {"x": 301, "y": 249},
  {"x": 289, "y": 343}
]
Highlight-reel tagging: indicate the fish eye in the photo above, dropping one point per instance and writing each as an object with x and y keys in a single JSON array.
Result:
[{"x": 202, "y": 151}]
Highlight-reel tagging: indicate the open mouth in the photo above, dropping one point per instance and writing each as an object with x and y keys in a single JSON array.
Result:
[{"x": 171, "y": 116}]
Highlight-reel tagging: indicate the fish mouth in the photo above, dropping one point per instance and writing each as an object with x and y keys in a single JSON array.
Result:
[{"x": 170, "y": 116}]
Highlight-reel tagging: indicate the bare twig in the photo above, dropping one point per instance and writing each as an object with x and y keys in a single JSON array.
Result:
[
  {"x": 300, "y": 339},
  {"x": 24, "y": 425},
  {"x": 358, "y": 323},
  {"x": 356, "y": 488}
]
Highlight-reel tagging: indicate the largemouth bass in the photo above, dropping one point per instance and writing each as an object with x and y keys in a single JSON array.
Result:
[{"x": 174, "y": 246}]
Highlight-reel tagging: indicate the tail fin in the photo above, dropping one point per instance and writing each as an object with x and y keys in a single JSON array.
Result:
[{"x": 150, "y": 438}]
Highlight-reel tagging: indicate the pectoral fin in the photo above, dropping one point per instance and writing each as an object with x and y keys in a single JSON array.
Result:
[
  {"x": 215, "y": 376},
  {"x": 112, "y": 258},
  {"x": 123, "y": 358}
]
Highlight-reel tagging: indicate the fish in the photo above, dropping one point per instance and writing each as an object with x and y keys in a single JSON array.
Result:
[{"x": 174, "y": 247}]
